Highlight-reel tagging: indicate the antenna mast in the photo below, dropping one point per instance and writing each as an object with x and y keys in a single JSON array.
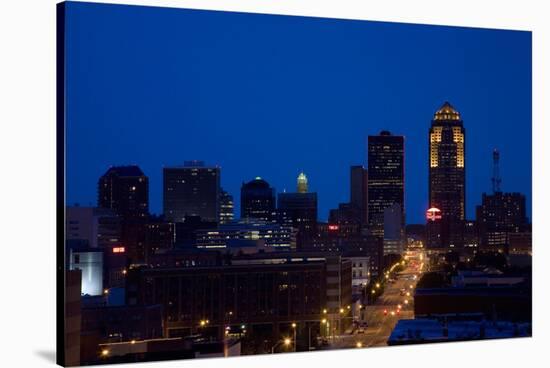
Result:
[{"x": 496, "y": 171}]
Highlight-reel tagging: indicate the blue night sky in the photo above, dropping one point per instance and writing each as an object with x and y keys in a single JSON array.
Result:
[{"x": 263, "y": 95}]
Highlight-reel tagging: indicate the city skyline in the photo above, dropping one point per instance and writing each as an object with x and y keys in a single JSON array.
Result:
[
  {"x": 304, "y": 119},
  {"x": 245, "y": 181}
]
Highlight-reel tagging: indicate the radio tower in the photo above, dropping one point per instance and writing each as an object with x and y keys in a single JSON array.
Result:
[{"x": 496, "y": 171}]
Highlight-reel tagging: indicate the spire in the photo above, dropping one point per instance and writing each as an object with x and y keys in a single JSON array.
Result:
[{"x": 302, "y": 183}]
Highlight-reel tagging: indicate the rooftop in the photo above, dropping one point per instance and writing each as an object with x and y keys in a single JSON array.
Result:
[
  {"x": 447, "y": 113},
  {"x": 408, "y": 331},
  {"x": 130, "y": 170}
]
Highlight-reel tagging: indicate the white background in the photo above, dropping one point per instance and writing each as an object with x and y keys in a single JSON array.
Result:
[{"x": 27, "y": 180}]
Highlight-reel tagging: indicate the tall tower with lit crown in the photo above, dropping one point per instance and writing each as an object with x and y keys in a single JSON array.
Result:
[
  {"x": 302, "y": 183},
  {"x": 447, "y": 169}
]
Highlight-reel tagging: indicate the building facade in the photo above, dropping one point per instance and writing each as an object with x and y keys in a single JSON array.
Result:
[
  {"x": 258, "y": 200},
  {"x": 270, "y": 235},
  {"x": 359, "y": 195},
  {"x": 393, "y": 230},
  {"x": 299, "y": 210},
  {"x": 498, "y": 216},
  {"x": 227, "y": 214},
  {"x": 191, "y": 190},
  {"x": 386, "y": 175},
  {"x": 125, "y": 190},
  {"x": 447, "y": 169}
]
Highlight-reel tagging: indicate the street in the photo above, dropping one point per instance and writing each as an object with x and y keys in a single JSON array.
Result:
[{"x": 396, "y": 302}]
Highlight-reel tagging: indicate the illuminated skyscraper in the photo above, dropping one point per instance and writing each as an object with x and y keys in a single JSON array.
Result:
[
  {"x": 302, "y": 183},
  {"x": 386, "y": 172},
  {"x": 447, "y": 167}
]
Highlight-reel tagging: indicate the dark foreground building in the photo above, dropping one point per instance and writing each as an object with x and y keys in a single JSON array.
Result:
[
  {"x": 260, "y": 296},
  {"x": 508, "y": 303}
]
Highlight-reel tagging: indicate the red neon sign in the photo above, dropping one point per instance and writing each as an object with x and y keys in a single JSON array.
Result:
[
  {"x": 333, "y": 227},
  {"x": 433, "y": 214}
]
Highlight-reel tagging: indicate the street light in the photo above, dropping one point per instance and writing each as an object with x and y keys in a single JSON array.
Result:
[
  {"x": 359, "y": 344},
  {"x": 286, "y": 341},
  {"x": 104, "y": 352}
]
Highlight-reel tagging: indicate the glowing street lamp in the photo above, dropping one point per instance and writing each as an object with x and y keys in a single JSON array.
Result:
[
  {"x": 286, "y": 342},
  {"x": 359, "y": 344},
  {"x": 104, "y": 352}
]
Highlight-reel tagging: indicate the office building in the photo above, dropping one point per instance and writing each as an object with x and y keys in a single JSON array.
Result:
[
  {"x": 299, "y": 210},
  {"x": 359, "y": 195},
  {"x": 191, "y": 190},
  {"x": 393, "y": 230},
  {"x": 160, "y": 236},
  {"x": 98, "y": 227},
  {"x": 346, "y": 213},
  {"x": 301, "y": 182},
  {"x": 125, "y": 190},
  {"x": 226, "y": 207},
  {"x": 258, "y": 200},
  {"x": 386, "y": 174},
  {"x": 255, "y": 294},
  {"x": 498, "y": 216},
  {"x": 447, "y": 174},
  {"x": 259, "y": 234}
]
